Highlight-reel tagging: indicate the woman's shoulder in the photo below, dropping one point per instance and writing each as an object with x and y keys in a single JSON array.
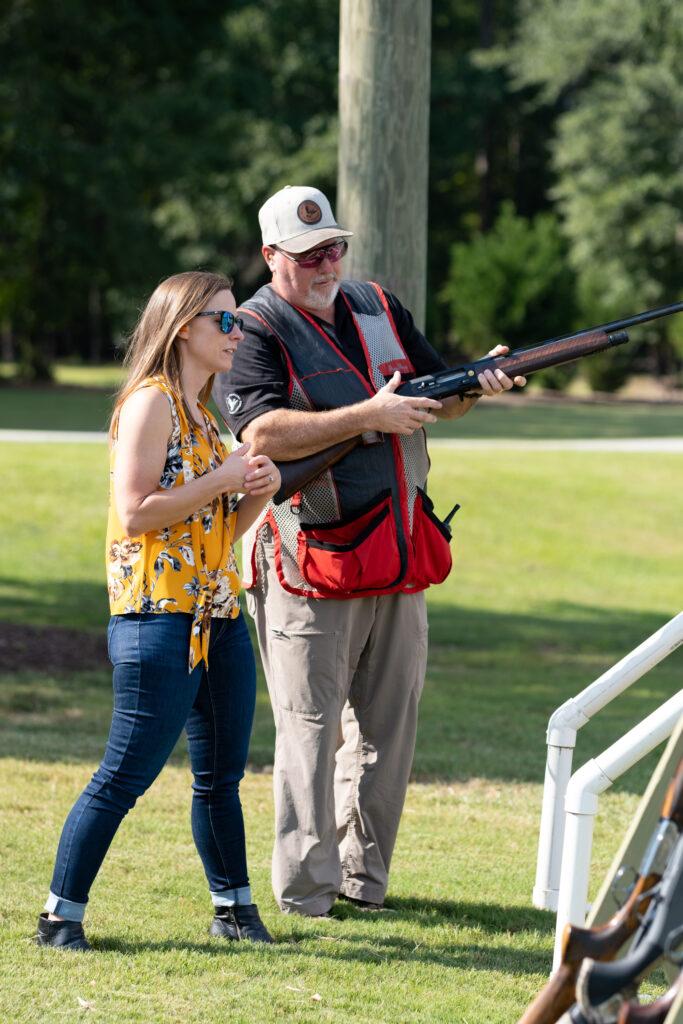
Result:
[{"x": 151, "y": 401}]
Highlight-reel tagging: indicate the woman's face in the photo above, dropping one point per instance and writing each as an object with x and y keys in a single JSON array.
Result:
[{"x": 204, "y": 343}]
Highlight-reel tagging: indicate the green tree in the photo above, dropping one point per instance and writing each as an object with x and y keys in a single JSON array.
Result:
[
  {"x": 615, "y": 69},
  {"x": 487, "y": 143},
  {"x": 511, "y": 286},
  {"x": 141, "y": 142}
]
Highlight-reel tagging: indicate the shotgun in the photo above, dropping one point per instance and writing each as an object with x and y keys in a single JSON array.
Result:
[
  {"x": 604, "y": 941},
  {"x": 461, "y": 380},
  {"x": 599, "y": 982}
]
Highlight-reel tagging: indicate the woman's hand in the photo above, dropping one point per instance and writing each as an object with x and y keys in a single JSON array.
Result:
[
  {"x": 231, "y": 474},
  {"x": 261, "y": 482},
  {"x": 263, "y": 477}
]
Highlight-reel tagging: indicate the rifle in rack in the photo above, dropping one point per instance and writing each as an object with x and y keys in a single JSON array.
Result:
[
  {"x": 605, "y": 941},
  {"x": 599, "y": 983},
  {"x": 461, "y": 380}
]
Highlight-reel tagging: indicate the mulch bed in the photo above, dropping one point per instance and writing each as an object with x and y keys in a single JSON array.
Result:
[{"x": 51, "y": 649}]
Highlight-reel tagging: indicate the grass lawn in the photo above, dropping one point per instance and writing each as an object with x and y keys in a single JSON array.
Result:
[{"x": 565, "y": 561}]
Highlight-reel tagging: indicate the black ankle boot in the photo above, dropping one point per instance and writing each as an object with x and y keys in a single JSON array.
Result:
[
  {"x": 239, "y": 922},
  {"x": 61, "y": 934}
]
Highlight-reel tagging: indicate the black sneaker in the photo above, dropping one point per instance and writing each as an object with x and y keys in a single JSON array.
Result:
[
  {"x": 61, "y": 934},
  {"x": 366, "y": 905},
  {"x": 239, "y": 923}
]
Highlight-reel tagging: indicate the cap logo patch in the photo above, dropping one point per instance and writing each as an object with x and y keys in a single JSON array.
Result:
[
  {"x": 309, "y": 212},
  {"x": 234, "y": 403}
]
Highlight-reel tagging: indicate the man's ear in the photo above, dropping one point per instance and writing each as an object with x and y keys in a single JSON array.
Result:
[{"x": 269, "y": 255}]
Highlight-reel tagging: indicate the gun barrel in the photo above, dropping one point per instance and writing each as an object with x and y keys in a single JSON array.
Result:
[{"x": 643, "y": 318}]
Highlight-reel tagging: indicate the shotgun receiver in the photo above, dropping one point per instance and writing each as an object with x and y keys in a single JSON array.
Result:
[
  {"x": 605, "y": 941},
  {"x": 462, "y": 380}
]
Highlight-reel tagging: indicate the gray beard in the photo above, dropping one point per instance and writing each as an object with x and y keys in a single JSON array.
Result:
[{"x": 323, "y": 296}]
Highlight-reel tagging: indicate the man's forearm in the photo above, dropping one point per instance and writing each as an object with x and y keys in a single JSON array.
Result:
[{"x": 286, "y": 434}]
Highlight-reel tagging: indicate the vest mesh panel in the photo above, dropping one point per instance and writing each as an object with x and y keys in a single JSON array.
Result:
[{"x": 334, "y": 495}]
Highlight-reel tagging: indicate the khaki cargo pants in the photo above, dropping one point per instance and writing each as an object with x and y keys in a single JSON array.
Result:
[{"x": 345, "y": 678}]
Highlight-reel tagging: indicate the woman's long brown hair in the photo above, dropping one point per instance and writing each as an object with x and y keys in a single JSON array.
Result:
[{"x": 154, "y": 346}]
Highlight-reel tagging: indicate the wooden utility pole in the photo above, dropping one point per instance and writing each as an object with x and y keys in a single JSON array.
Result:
[{"x": 384, "y": 76}]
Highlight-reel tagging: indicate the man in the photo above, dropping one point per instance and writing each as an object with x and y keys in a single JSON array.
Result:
[{"x": 336, "y": 575}]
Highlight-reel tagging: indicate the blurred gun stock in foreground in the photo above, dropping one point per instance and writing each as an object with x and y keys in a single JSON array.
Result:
[
  {"x": 604, "y": 941},
  {"x": 462, "y": 380}
]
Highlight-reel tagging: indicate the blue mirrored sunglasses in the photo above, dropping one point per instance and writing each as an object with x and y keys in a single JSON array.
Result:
[{"x": 227, "y": 320}]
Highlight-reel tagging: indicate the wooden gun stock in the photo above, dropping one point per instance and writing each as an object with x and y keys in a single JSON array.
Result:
[
  {"x": 298, "y": 472},
  {"x": 602, "y": 943}
]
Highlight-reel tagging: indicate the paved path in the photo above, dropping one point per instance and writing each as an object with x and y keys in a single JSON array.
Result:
[
  {"x": 610, "y": 444},
  {"x": 53, "y": 436},
  {"x": 614, "y": 444}
]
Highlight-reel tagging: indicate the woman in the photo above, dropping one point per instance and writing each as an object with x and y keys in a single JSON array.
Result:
[{"x": 178, "y": 643}]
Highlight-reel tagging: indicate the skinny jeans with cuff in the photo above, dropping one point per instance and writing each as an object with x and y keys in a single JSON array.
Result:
[
  {"x": 345, "y": 679},
  {"x": 154, "y": 698}
]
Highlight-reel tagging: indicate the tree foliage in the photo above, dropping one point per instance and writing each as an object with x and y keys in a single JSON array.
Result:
[
  {"x": 141, "y": 139},
  {"x": 614, "y": 70},
  {"x": 511, "y": 286}
]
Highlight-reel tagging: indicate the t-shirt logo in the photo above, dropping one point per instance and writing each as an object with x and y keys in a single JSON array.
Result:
[
  {"x": 309, "y": 212},
  {"x": 234, "y": 403}
]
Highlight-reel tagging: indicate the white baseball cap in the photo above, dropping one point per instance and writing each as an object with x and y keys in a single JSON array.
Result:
[{"x": 298, "y": 218}]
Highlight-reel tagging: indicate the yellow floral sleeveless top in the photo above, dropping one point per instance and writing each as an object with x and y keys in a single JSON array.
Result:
[{"x": 188, "y": 566}]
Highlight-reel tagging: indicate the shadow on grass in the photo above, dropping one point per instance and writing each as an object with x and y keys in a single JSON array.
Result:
[
  {"x": 78, "y": 604},
  {"x": 565, "y": 628},
  {"x": 488, "y": 917},
  {"x": 493, "y": 680},
  {"x": 345, "y": 943}
]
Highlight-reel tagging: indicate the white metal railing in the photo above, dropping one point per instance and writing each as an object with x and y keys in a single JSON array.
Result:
[
  {"x": 581, "y": 805},
  {"x": 563, "y": 726}
]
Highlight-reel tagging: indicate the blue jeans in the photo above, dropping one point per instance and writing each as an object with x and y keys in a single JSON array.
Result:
[{"x": 154, "y": 697}]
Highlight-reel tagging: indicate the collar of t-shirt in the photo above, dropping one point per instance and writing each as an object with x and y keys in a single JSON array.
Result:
[{"x": 344, "y": 334}]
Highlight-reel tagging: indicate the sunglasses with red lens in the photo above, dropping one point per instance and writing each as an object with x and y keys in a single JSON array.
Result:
[{"x": 312, "y": 259}]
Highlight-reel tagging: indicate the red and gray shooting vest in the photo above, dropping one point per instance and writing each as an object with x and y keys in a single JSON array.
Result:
[{"x": 365, "y": 526}]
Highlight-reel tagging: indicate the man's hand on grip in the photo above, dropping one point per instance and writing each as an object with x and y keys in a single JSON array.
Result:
[{"x": 390, "y": 413}]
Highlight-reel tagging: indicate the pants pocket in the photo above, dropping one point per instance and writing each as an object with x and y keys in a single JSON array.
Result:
[{"x": 304, "y": 671}]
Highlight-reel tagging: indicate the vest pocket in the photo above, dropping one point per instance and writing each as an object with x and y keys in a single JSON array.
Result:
[
  {"x": 351, "y": 555},
  {"x": 431, "y": 544}
]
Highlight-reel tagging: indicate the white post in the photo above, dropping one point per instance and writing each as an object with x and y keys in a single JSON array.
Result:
[
  {"x": 563, "y": 726},
  {"x": 581, "y": 805}
]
